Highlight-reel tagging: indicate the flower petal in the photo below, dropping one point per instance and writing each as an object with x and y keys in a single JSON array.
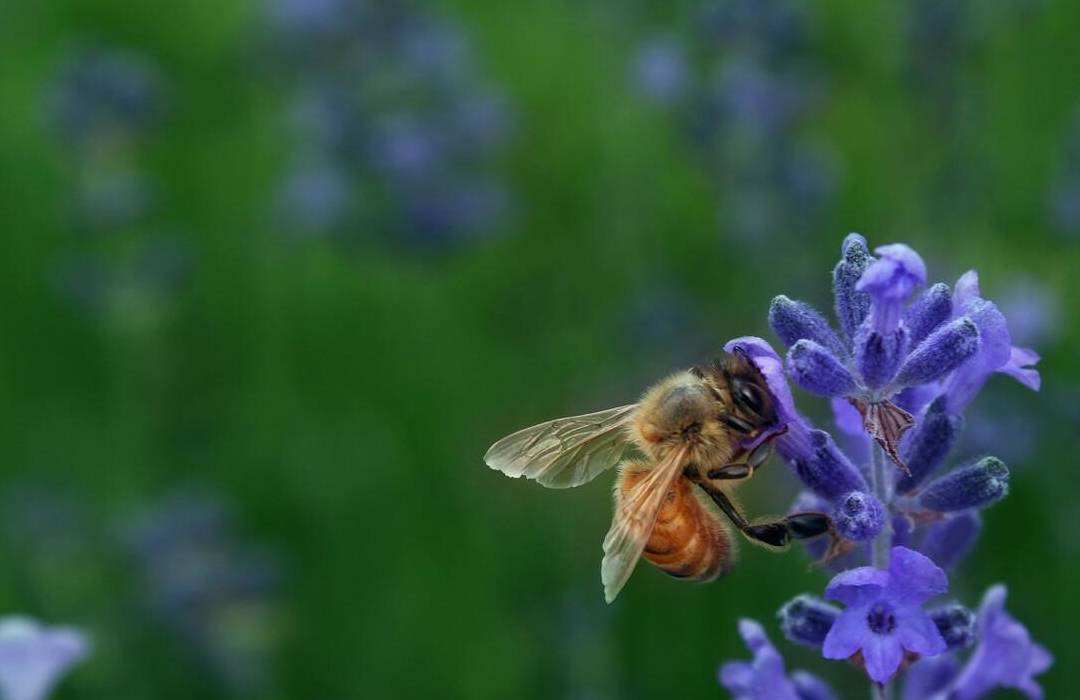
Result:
[
  {"x": 913, "y": 577},
  {"x": 846, "y": 635},
  {"x": 857, "y": 587},
  {"x": 918, "y": 633},
  {"x": 1020, "y": 367},
  {"x": 882, "y": 654}
]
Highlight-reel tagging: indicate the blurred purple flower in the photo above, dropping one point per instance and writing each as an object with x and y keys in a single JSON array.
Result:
[
  {"x": 33, "y": 657},
  {"x": 764, "y": 677},
  {"x": 400, "y": 116},
  {"x": 884, "y": 615},
  {"x": 104, "y": 93},
  {"x": 660, "y": 70},
  {"x": 1006, "y": 656}
]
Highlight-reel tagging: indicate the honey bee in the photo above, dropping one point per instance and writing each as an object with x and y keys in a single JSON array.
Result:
[{"x": 679, "y": 451}]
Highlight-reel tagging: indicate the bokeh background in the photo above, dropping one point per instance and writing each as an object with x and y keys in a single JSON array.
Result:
[{"x": 276, "y": 272}]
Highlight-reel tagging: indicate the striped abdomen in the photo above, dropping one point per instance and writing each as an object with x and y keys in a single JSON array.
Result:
[{"x": 689, "y": 540}]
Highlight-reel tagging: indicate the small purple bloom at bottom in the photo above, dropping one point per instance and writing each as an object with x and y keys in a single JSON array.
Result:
[
  {"x": 764, "y": 677},
  {"x": 34, "y": 657},
  {"x": 884, "y": 616}
]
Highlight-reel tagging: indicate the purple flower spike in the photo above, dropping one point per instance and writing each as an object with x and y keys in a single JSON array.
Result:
[
  {"x": 818, "y": 371},
  {"x": 794, "y": 320},
  {"x": 928, "y": 444},
  {"x": 1006, "y": 656},
  {"x": 890, "y": 281},
  {"x": 947, "y": 542},
  {"x": 930, "y": 310},
  {"x": 858, "y": 516},
  {"x": 941, "y": 352},
  {"x": 884, "y": 616},
  {"x": 33, "y": 657},
  {"x": 764, "y": 678},
  {"x": 806, "y": 620},
  {"x": 956, "y": 624},
  {"x": 877, "y": 355},
  {"x": 852, "y": 306},
  {"x": 826, "y": 470},
  {"x": 976, "y": 486}
]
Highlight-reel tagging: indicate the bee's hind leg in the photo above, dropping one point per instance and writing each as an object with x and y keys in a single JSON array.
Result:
[{"x": 776, "y": 533}]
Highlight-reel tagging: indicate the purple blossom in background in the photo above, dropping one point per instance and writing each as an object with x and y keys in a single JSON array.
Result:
[
  {"x": 33, "y": 658},
  {"x": 398, "y": 138},
  {"x": 103, "y": 105},
  {"x": 217, "y": 594},
  {"x": 764, "y": 677},
  {"x": 906, "y": 360},
  {"x": 743, "y": 109}
]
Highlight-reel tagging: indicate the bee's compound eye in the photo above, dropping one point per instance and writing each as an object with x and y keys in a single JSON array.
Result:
[{"x": 750, "y": 397}]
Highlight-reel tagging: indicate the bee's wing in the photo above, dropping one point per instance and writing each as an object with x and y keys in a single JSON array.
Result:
[
  {"x": 635, "y": 517},
  {"x": 565, "y": 452}
]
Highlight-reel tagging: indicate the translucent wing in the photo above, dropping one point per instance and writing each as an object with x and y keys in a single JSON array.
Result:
[
  {"x": 565, "y": 452},
  {"x": 635, "y": 517}
]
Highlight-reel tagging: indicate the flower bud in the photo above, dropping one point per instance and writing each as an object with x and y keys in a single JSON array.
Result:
[
  {"x": 928, "y": 444},
  {"x": 794, "y": 320},
  {"x": 947, "y": 542},
  {"x": 877, "y": 355},
  {"x": 975, "y": 486},
  {"x": 852, "y": 306},
  {"x": 826, "y": 470},
  {"x": 930, "y": 310},
  {"x": 940, "y": 353},
  {"x": 858, "y": 516},
  {"x": 956, "y": 624},
  {"x": 806, "y": 620},
  {"x": 817, "y": 370}
]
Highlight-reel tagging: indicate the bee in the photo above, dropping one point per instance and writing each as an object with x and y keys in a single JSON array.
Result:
[{"x": 679, "y": 451}]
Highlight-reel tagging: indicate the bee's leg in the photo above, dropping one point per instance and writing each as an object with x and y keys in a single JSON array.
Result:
[
  {"x": 744, "y": 469},
  {"x": 776, "y": 533}
]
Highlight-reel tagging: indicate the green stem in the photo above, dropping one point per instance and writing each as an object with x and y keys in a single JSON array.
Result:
[{"x": 881, "y": 483}]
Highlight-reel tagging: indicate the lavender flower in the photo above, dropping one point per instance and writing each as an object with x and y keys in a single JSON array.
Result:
[
  {"x": 764, "y": 678},
  {"x": 1006, "y": 656},
  {"x": 217, "y": 594},
  {"x": 884, "y": 616},
  {"x": 33, "y": 657},
  {"x": 901, "y": 357},
  {"x": 396, "y": 131},
  {"x": 743, "y": 110}
]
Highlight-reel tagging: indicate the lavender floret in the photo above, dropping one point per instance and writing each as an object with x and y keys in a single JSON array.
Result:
[{"x": 976, "y": 486}]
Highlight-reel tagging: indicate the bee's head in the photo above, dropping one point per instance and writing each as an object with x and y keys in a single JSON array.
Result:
[{"x": 750, "y": 395}]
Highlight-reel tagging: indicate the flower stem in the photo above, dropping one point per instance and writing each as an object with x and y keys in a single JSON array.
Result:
[{"x": 879, "y": 482}]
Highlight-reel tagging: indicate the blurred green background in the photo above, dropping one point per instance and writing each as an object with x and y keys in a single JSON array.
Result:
[{"x": 241, "y": 425}]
